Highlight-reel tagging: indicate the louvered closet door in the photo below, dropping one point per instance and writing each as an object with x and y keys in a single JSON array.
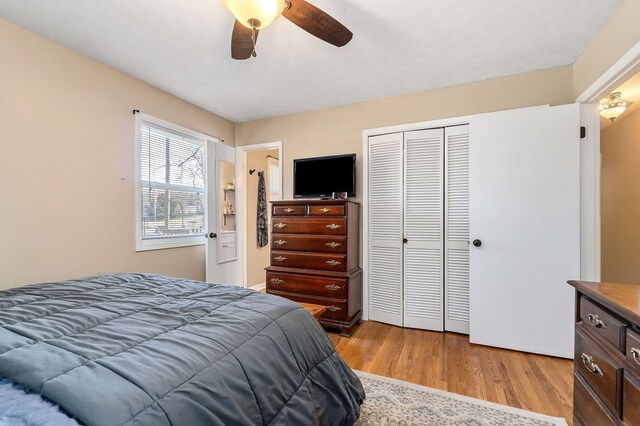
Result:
[
  {"x": 423, "y": 252},
  {"x": 456, "y": 268},
  {"x": 385, "y": 228}
]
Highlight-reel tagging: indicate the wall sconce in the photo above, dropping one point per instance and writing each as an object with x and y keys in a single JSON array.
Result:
[{"x": 613, "y": 106}]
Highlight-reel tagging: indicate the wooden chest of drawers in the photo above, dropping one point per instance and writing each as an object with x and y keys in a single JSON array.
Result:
[
  {"x": 607, "y": 354},
  {"x": 314, "y": 258}
]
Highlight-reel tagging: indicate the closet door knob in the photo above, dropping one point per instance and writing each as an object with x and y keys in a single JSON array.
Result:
[
  {"x": 213, "y": 235},
  {"x": 404, "y": 240},
  {"x": 477, "y": 243}
]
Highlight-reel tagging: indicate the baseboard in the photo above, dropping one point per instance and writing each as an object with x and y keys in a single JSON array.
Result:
[{"x": 259, "y": 287}]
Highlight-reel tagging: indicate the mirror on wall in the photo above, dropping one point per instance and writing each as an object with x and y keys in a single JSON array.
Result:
[{"x": 227, "y": 212}]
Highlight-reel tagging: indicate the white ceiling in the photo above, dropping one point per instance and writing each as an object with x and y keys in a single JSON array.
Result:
[{"x": 183, "y": 47}]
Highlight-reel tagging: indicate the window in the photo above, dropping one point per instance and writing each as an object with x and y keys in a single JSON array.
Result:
[{"x": 171, "y": 207}]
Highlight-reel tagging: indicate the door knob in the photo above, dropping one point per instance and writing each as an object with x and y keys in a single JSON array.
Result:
[
  {"x": 213, "y": 235},
  {"x": 477, "y": 243},
  {"x": 404, "y": 240}
]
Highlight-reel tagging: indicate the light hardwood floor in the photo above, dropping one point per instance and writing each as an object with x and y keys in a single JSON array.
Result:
[{"x": 449, "y": 362}]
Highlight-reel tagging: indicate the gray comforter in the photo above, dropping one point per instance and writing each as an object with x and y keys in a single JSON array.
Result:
[{"x": 147, "y": 349}]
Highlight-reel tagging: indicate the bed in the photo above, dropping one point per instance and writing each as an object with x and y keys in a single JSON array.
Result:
[{"x": 147, "y": 349}]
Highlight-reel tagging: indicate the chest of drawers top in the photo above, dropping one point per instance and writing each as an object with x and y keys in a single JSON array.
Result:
[
  {"x": 622, "y": 299},
  {"x": 318, "y": 208}
]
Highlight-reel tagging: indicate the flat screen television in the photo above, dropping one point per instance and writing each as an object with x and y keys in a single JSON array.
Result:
[{"x": 321, "y": 177}]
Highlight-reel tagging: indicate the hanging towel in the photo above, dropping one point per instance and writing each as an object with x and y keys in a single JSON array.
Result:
[{"x": 263, "y": 232}]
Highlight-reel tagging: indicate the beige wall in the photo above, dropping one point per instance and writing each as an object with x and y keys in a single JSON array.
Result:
[
  {"x": 67, "y": 164},
  {"x": 67, "y": 146},
  {"x": 339, "y": 130},
  {"x": 257, "y": 257},
  {"x": 620, "y": 200},
  {"x": 616, "y": 37}
]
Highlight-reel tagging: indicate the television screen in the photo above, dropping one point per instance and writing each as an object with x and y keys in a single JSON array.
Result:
[{"x": 320, "y": 177}]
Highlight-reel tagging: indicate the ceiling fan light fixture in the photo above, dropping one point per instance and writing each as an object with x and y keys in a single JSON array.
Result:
[
  {"x": 255, "y": 14},
  {"x": 613, "y": 106}
]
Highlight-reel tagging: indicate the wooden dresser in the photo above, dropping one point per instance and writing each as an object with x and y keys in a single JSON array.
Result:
[
  {"x": 314, "y": 258},
  {"x": 607, "y": 354}
]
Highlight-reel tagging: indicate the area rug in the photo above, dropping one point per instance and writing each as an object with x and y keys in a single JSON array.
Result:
[{"x": 393, "y": 402}]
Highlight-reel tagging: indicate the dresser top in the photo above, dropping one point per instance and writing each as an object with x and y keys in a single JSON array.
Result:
[
  {"x": 621, "y": 298},
  {"x": 314, "y": 201}
]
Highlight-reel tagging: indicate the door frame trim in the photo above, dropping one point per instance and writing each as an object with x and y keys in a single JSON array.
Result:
[
  {"x": 618, "y": 73},
  {"x": 241, "y": 193}
]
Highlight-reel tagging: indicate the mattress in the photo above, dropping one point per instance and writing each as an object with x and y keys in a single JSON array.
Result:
[{"x": 147, "y": 349}]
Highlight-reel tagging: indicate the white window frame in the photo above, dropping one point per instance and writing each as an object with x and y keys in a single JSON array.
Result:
[{"x": 169, "y": 242}]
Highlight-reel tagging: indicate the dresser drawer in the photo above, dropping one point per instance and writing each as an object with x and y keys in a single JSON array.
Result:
[
  {"x": 602, "y": 323},
  {"x": 325, "y": 244},
  {"x": 326, "y": 210},
  {"x": 306, "y": 284},
  {"x": 323, "y": 226},
  {"x": 587, "y": 406},
  {"x": 323, "y": 261},
  {"x": 337, "y": 309},
  {"x": 599, "y": 369},
  {"x": 292, "y": 210},
  {"x": 631, "y": 400},
  {"x": 633, "y": 349}
]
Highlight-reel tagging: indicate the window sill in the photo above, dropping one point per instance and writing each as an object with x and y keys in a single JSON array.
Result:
[{"x": 161, "y": 244}]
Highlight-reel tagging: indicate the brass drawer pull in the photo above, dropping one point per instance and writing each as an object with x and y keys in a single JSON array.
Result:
[
  {"x": 325, "y": 210},
  {"x": 279, "y": 258},
  {"x": 333, "y": 308},
  {"x": 333, "y": 244},
  {"x": 332, "y": 262},
  {"x": 333, "y": 226},
  {"x": 595, "y": 321},
  {"x": 332, "y": 287},
  {"x": 591, "y": 365},
  {"x": 635, "y": 353},
  {"x": 280, "y": 225},
  {"x": 277, "y": 281},
  {"x": 280, "y": 242},
  {"x": 289, "y": 210}
]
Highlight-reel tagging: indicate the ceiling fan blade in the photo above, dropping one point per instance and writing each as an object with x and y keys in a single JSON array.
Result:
[
  {"x": 242, "y": 46},
  {"x": 318, "y": 23}
]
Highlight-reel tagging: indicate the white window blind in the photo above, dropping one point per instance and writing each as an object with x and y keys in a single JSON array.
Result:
[{"x": 173, "y": 187}]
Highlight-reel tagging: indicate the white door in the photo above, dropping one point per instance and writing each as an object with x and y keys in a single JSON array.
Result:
[
  {"x": 385, "y": 211},
  {"x": 222, "y": 265},
  {"x": 423, "y": 228},
  {"x": 456, "y": 266},
  {"x": 525, "y": 210}
]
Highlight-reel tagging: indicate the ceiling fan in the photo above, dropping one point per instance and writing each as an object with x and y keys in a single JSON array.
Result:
[{"x": 255, "y": 15}]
